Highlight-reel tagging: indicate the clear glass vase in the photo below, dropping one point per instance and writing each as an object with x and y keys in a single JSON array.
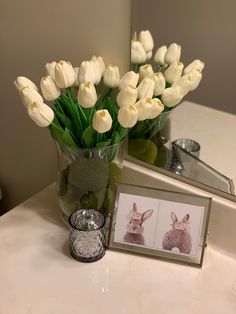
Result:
[
  {"x": 87, "y": 178},
  {"x": 149, "y": 141}
]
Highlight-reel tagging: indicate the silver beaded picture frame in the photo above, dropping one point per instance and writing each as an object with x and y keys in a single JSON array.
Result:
[{"x": 160, "y": 224}]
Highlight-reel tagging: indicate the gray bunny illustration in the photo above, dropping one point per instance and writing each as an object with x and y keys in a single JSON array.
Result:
[
  {"x": 135, "y": 230},
  {"x": 178, "y": 236}
]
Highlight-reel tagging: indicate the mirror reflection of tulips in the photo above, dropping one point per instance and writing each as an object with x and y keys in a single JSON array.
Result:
[{"x": 163, "y": 81}]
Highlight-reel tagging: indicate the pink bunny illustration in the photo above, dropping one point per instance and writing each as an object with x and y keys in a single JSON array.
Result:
[
  {"x": 178, "y": 236},
  {"x": 135, "y": 230}
]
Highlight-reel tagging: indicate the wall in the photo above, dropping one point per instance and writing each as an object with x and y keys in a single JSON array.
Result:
[
  {"x": 206, "y": 29},
  {"x": 33, "y": 33}
]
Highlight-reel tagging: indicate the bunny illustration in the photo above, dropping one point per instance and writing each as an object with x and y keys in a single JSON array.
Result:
[
  {"x": 135, "y": 230},
  {"x": 178, "y": 236}
]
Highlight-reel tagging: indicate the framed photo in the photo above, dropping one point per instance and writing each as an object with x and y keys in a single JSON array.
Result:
[{"x": 160, "y": 224}]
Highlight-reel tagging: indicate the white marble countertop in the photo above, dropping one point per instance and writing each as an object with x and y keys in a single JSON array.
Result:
[
  {"x": 38, "y": 276},
  {"x": 215, "y": 131}
]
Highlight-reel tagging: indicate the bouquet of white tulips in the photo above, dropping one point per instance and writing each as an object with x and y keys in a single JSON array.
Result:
[{"x": 85, "y": 113}]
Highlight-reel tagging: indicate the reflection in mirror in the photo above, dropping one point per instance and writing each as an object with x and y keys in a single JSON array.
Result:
[{"x": 151, "y": 141}]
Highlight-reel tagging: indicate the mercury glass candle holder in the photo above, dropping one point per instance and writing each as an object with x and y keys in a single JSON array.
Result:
[{"x": 87, "y": 239}]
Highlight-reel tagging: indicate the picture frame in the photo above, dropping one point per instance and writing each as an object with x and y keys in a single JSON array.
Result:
[{"x": 160, "y": 224}]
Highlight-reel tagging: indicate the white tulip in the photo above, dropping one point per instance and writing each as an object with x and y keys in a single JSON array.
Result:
[
  {"x": 29, "y": 95},
  {"x": 64, "y": 74},
  {"x": 145, "y": 71},
  {"x": 146, "y": 88},
  {"x": 195, "y": 65},
  {"x": 195, "y": 77},
  {"x": 102, "y": 121},
  {"x": 130, "y": 78},
  {"x": 149, "y": 108},
  {"x": 160, "y": 83},
  {"x": 185, "y": 83},
  {"x": 159, "y": 56},
  {"x": 76, "y": 70},
  {"x": 138, "y": 54},
  {"x": 22, "y": 81},
  {"x": 148, "y": 55},
  {"x": 99, "y": 68},
  {"x": 87, "y": 95},
  {"x": 111, "y": 76},
  {"x": 172, "y": 96},
  {"x": 87, "y": 72},
  {"x": 146, "y": 40},
  {"x": 174, "y": 72},
  {"x": 127, "y": 95},
  {"x": 41, "y": 114},
  {"x": 101, "y": 63},
  {"x": 50, "y": 68},
  {"x": 128, "y": 116},
  {"x": 173, "y": 53},
  {"x": 49, "y": 89}
]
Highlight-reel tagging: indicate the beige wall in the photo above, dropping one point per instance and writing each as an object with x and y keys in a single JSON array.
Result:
[
  {"x": 206, "y": 29},
  {"x": 33, "y": 33}
]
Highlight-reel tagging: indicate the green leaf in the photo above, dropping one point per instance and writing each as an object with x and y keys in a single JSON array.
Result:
[
  {"x": 58, "y": 106},
  {"x": 56, "y": 130},
  {"x": 65, "y": 121},
  {"x": 67, "y": 139},
  {"x": 103, "y": 144},
  {"x": 115, "y": 138},
  {"x": 87, "y": 136}
]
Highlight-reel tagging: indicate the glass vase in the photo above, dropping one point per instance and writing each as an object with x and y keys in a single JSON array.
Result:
[
  {"x": 87, "y": 178},
  {"x": 149, "y": 141}
]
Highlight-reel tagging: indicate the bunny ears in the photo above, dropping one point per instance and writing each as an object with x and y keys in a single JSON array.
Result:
[
  {"x": 184, "y": 220},
  {"x": 135, "y": 215}
]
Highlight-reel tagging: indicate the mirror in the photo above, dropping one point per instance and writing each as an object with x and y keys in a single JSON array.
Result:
[{"x": 208, "y": 114}]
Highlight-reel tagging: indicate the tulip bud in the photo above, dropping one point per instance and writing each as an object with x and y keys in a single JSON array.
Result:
[
  {"x": 102, "y": 121},
  {"x": 172, "y": 96},
  {"x": 138, "y": 54},
  {"x": 29, "y": 95},
  {"x": 87, "y": 72},
  {"x": 64, "y": 74},
  {"x": 159, "y": 57},
  {"x": 173, "y": 53},
  {"x": 185, "y": 83},
  {"x": 49, "y": 89},
  {"x": 160, "y": 83},
  {"x": 195, "y": 65},
  {"x": 145, "y": 71},
  {"x": 146, "y": 88},
  {"x": 174, "y": 72},
  {"x": 149, "y": 108},
  {"x": 22, "y": 81},
  {"x": 101, "y": 63},
  {"x": 146, "y": 40},
  {"x": 148, "y": 55},
  {"x": 111, "y": 76},
  {"x": 98, "y": 68},
  {"x": 50, "y": 68},
  {"x": 128, "y": 116},
  {"x": 76, "y": 69},
  {"x": 130, "y": 78},
  {"x": 41, "y": 114},
  {"x": 87, "y": 95},
  {"x": 127, "y": 95},
  {"x": 195, "y": 77}
]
